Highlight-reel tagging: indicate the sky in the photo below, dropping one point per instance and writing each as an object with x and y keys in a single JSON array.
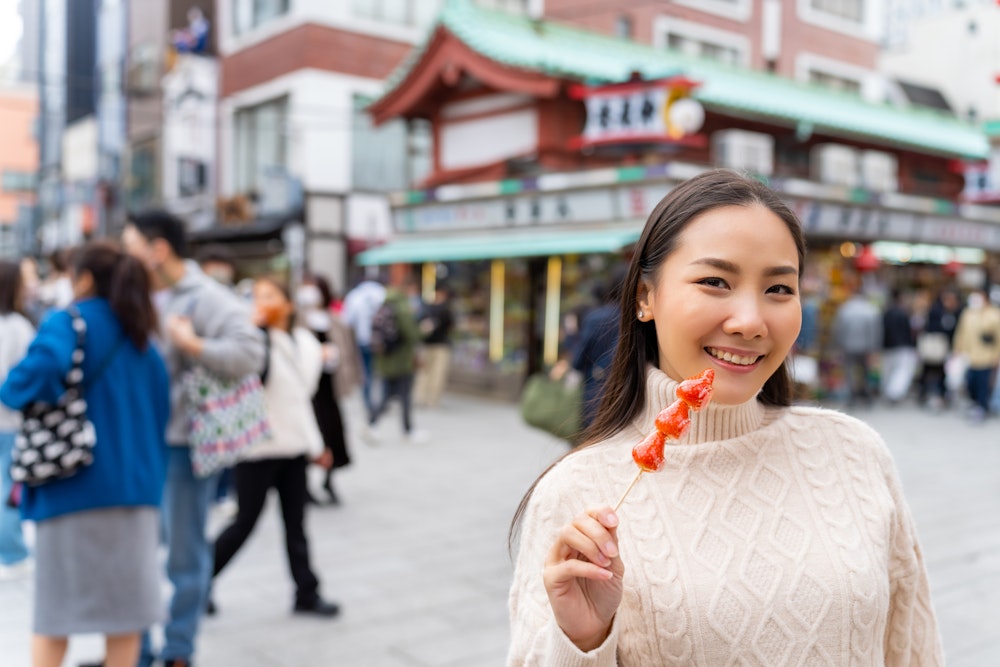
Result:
[{"x": 10, "y": 28}]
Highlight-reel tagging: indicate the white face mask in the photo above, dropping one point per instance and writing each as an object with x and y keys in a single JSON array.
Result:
[
  {"x": 976, "y": 301},
  {"x": 308, "y": 296}
]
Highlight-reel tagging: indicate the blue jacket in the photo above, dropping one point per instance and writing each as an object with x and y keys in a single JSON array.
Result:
[{"x": 128, "y": 403}]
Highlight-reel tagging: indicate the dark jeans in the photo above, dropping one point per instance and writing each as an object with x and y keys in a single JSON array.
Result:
[
  {"x": 401, "y": 387},
  {"x": 978, "y": 383},
  {"x": 932, "y": 381},
  {"x": 367, "y": 364},
  {"x": 857, "y": 373},
  {"x": 252, "y": 480}
]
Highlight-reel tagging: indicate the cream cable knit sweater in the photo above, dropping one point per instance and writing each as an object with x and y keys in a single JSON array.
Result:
[{"x": 772, "y": 536}]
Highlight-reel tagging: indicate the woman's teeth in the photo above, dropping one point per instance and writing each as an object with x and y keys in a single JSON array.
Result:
[{"x": 732, "y": 358}]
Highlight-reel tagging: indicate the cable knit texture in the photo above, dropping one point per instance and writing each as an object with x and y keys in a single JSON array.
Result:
[{"x": 772, "y": 536}]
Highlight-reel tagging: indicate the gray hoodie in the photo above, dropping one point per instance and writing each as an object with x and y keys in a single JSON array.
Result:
[{"x": 233, "y": 345}]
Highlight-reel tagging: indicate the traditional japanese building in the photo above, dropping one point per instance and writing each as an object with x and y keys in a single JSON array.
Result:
[{"x": 552, "y": 144}]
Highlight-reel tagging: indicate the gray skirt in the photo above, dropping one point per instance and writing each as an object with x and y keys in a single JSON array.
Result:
[{"x": 98, "y": 572}]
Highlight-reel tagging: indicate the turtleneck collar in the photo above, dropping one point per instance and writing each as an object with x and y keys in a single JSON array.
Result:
[{"x": 713, "y": 423}]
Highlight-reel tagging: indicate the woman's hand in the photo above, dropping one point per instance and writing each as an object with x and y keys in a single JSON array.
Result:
[{"x": 583, "y": 577}]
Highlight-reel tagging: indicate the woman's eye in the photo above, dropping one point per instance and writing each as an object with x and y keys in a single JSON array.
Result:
[
  {"x": 712, "y": 282},
  {"x": 781, "y": 289}
]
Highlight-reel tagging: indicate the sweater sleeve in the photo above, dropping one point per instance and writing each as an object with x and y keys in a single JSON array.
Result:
[
  {"x": 912, "y": 638},
  {"x": 536, "y": 639},
  {"x": 233, "y": 346}
]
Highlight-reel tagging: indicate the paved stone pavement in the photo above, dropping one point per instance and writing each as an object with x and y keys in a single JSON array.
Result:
[{"x": 416, "y": 554}]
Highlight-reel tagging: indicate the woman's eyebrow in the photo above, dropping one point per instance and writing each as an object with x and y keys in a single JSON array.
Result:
[{"x": 731, "y": 267}]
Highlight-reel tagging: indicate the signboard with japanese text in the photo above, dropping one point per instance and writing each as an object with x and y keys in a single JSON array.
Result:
[{"x": 640, "y": 111}]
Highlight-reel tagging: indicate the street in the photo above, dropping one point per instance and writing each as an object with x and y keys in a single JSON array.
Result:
[{"x": 417, "y": 557}]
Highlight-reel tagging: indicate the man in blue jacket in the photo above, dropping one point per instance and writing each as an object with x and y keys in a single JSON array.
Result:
[{"x": 202, "y": 323}]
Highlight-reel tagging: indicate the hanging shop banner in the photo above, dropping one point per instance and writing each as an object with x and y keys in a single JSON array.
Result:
[{"x": 640, "y": 111}]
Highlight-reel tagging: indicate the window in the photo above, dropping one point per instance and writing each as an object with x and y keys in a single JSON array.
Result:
[
  {"x": 249, "y": 14},
  {"x": 513, "y": 6},
  {"x": 402, "y": 12},
  {"x": 261, "y": 142},
  {"x": 393, "y": 156},
  {"x": 623, "y": 27},
  {"x": 700, "y": 41},
  {"x": 18, "y": 181},
  {"x": 703, "y": 49},
  {"x": 851, "y": 10},
  {"x": 834, "y": 82}
]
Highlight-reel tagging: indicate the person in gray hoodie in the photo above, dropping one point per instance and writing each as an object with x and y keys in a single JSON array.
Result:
[{"x": 203, "y": 323}]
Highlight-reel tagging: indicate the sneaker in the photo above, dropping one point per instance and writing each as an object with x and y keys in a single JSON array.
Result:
[
  {"x": 19, "y": 570},
  {"x": 368, "y": 434},
  {"x": 319, "y": 607},
  {"x": 417, "y": 437}
]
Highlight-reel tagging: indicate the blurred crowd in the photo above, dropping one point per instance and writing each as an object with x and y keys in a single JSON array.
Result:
[{"x": 149, "y": 315}]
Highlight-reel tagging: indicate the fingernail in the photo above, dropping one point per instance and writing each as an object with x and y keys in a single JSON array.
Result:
[
  {"x": 611, "y": 520},
  {"x": 610, "y": 549},
  {"x": 605, "y": 561}
]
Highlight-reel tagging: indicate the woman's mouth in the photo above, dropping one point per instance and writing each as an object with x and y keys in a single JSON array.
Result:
[{"x": 736, "y": 359}]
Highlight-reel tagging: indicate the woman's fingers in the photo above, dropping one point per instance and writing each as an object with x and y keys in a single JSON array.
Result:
[
  {"x": 591, "y": 535},
  {"x": 571, "y": 569}
]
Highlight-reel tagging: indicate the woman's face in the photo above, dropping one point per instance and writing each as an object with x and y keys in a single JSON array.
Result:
[
  {"x": 271, "y": 308},
  {"x": 727, "y": 298}
]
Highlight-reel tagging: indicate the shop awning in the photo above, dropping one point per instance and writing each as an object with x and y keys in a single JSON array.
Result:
[{"x": 499, "y": 245}]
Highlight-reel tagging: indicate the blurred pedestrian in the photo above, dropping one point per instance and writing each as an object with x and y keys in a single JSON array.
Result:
[
  {"x": 218, "y": 263},
  {"x": 341, "y": 374},
  {"x": 16, "y": 334},
  {"x": 598, "y": 340},
  {"x": 772, "y": 531},
  {"x": 202, "y": 323},
  {"x": 98, "y": 531},
  {"x": 857, "y": 332},
  {"x": 899, "y": 350},
  {"x": 395, "y": 360},
  {"x": 294, "y": 366},
  {"x": 360, "y": 306},
  {"x": 934, "y": 346},
  {"x": 56, "y": 291},
  {"x": 977, "y": 339},
  {"x": 34, "y": 309},
  {"x": 436, "y": 322}
]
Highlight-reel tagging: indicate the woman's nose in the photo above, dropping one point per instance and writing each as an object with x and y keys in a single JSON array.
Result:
[{"x": 746, "y": 318}]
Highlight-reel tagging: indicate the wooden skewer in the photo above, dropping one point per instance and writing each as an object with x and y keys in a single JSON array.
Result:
[{"x": 634, "y": 480}]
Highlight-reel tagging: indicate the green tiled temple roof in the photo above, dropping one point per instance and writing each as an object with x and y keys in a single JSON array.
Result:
[{"x": 571, "y": 53}]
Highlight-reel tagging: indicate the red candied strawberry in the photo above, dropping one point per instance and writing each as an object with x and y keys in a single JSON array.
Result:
[
  {"x": 648, "y": 454},
  {"x": 673, "y": 420},
  {"x": 697, "y": 391}
]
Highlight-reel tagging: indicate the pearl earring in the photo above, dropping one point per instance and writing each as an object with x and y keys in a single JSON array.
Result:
[{"x": 641, "y": 314}]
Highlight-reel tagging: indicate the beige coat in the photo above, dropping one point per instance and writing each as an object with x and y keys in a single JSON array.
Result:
[{"x": 976, "y": 328}]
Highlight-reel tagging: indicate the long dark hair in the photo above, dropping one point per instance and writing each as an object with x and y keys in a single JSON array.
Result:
[
  {"x": 124, "y": 281},
  {"x": 624, "y": 392},
  {"x": 11, "y": 288}
]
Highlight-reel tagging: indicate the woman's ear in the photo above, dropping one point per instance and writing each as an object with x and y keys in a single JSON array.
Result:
[
  {"x": 644, "y": 301},
  {"x": 83, "y": 285}
]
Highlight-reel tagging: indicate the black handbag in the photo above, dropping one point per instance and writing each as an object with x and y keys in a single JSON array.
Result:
[{"x": 56, "y": 441}]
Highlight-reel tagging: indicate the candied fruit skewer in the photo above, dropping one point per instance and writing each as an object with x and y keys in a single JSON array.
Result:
[{"x": 672, "y": 422}]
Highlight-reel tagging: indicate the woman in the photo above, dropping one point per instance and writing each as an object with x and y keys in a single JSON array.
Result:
[
  {"x": 341, "y": 371},
  {"x": 773, "y": 534},
  {"x": 16, "y": 333},
  {"x": 97, "y": 533},
  {"x": 293, "y": 368}
]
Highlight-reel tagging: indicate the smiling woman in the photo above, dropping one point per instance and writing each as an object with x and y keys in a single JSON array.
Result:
[{"x": 773, "y": 533}]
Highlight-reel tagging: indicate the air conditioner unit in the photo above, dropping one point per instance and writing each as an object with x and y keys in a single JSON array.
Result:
[
  {"x": 744, "y": 151},
  {"x": 835, "y": 164},
  {"x": 879, "y": 171}
]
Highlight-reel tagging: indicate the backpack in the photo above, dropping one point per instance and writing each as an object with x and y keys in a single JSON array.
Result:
[{"x": 386, "y": 335}]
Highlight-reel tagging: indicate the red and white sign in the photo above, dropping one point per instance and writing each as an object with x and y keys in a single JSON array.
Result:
[{"x": 640, "y": 111}]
